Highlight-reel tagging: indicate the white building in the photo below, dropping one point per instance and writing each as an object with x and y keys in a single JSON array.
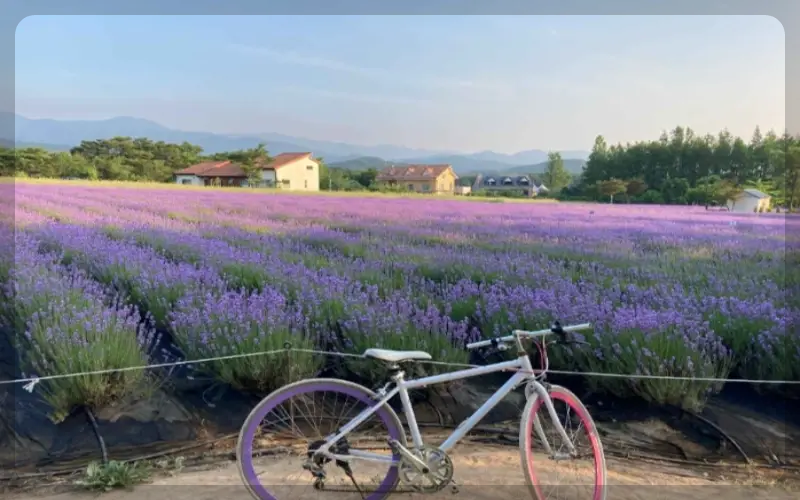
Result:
[
  {"x": 540, "y": 189},
  {"x": 749, "y": 201}
]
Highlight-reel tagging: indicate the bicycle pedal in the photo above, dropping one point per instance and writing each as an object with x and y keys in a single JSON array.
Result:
[
  {"x": 315, "y": 470},
  {"x": 453, "y": 487}
]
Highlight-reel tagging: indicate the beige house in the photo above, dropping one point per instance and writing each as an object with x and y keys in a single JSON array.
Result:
[
  {"x": 433, "y": 179},
  {"x": 291, "y": 171}
]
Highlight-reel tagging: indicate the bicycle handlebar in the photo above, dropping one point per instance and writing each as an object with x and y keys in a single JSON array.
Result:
[{"x": 555, "y": 329}]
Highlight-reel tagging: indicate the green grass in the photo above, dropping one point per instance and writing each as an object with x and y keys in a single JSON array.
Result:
[{"x": 113, "y": 475}]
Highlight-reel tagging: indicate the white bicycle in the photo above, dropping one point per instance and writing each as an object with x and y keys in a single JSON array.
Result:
[{"x": 339, "y": 447}]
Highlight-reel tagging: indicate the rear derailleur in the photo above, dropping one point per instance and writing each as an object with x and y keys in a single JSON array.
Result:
[{"x": 316, "y": 462}]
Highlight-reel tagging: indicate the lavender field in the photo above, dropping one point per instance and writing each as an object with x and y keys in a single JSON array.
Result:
[{"x": 100, "y": 274}]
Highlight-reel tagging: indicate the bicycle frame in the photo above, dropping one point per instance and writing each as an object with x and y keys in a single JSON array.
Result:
[{"x": 523, "y": 373}]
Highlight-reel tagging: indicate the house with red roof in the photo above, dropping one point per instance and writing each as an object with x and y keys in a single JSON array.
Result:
[
  {"x": 292, "y": 171},
  {"x": 431, "y": 179}
]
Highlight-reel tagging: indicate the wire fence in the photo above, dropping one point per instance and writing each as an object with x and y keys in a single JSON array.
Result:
[{"x": 31, "y": 382}]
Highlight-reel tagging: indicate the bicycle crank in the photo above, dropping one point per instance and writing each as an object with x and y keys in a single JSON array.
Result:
[{"x": 436, "y": 476}]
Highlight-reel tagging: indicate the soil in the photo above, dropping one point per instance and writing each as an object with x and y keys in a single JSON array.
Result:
[{"x": 482, "y": 472}]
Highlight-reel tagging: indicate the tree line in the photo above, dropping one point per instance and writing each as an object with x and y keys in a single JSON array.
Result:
[
  {"x": 144, "y": 160},
  {"x": 117, "y": 159},
  {"x": 680, "y": 167}
]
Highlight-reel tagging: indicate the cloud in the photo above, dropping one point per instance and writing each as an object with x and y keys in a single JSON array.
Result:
[
  {"x": 424, "y": 81},
  {"x": 353, "y": 96},
  {"x": 291, "y": 57}
]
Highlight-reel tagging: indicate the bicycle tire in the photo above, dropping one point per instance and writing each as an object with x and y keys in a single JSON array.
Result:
[
  {"x": 244, "y": 447},
  {"x": 532, "y": 407}
]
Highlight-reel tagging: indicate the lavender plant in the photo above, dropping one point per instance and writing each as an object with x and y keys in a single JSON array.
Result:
[
  {"x": 71, "y": 325},
  {"x": 257, "y": 325}
]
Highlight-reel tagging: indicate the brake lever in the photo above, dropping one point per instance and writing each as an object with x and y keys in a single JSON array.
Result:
[{"x": 561, "y": 335}]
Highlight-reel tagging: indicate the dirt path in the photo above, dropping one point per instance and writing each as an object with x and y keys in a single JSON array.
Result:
[{"x": 483, "y": 472}]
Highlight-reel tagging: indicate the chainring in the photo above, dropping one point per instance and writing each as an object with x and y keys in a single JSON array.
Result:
[{"x": 440, "y": 473}]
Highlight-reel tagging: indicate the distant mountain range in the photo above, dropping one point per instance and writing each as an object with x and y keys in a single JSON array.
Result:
[{"x": 60, "y": 135}]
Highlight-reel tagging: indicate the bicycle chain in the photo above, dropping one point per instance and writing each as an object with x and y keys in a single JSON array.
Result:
[{"x": 400, "y": 488}]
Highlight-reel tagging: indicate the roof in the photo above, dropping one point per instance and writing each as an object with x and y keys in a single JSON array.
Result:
[
  {"x": 502, "y": 182},
  {"x": 413, "y": 172},
  {"x": 201, "y": 167},
  {"x": 229, "y": 169},
  {"x": 756, "y": 193},
  {"x": 285, "y": 159}
]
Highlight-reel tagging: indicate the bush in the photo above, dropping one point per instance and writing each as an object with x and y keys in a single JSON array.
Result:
[
  {"x": 398, "y": 323},
  {"x": 652, "y": 196},
  {"x": 675, "y": 349},
  {"x": 72, "y": 326},
  {"x": 241, "y": 323}
]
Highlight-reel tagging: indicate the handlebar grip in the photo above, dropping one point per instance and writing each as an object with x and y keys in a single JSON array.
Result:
[{"x": 563, "y": 334}]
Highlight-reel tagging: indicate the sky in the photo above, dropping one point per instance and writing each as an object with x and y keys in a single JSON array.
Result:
[{"x": 464, "y": 83}]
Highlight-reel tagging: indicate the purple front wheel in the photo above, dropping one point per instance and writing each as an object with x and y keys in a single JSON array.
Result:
[{"x": 294, "y": 418}]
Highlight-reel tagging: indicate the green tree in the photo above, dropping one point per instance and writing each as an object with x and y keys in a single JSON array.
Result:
[
  {"x": 635, "y": 187},
  {"x": 556, "y": 177},
  {"x": 252, "y": 161},
  {"x": 366, "y": 177},
  {"x": 786, "y": 161},
  {"x": 705, "y": 192},
  {"x": 74, "y": 166},
  {"x": 611, "y": 187},
  {"x": 725, "y": 191},
  {"x": 325, "y": 180},
  {"x": 674, "y": 190},
  {"x": 597, "y": 166}
]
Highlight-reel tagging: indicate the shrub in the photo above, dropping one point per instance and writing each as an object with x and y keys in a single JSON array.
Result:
[
  {"x": 72, "y": 326},
  {"x": 246, "y": 323},
  {"x": 652, "y": 196},
  {"x": 398, "y": 323}
]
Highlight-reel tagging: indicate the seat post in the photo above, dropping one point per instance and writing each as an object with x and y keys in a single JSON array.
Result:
[{"x": 396, "y": 374}]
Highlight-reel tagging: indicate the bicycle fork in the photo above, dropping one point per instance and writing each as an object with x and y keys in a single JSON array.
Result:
[{"x": 542, "y": 392}]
